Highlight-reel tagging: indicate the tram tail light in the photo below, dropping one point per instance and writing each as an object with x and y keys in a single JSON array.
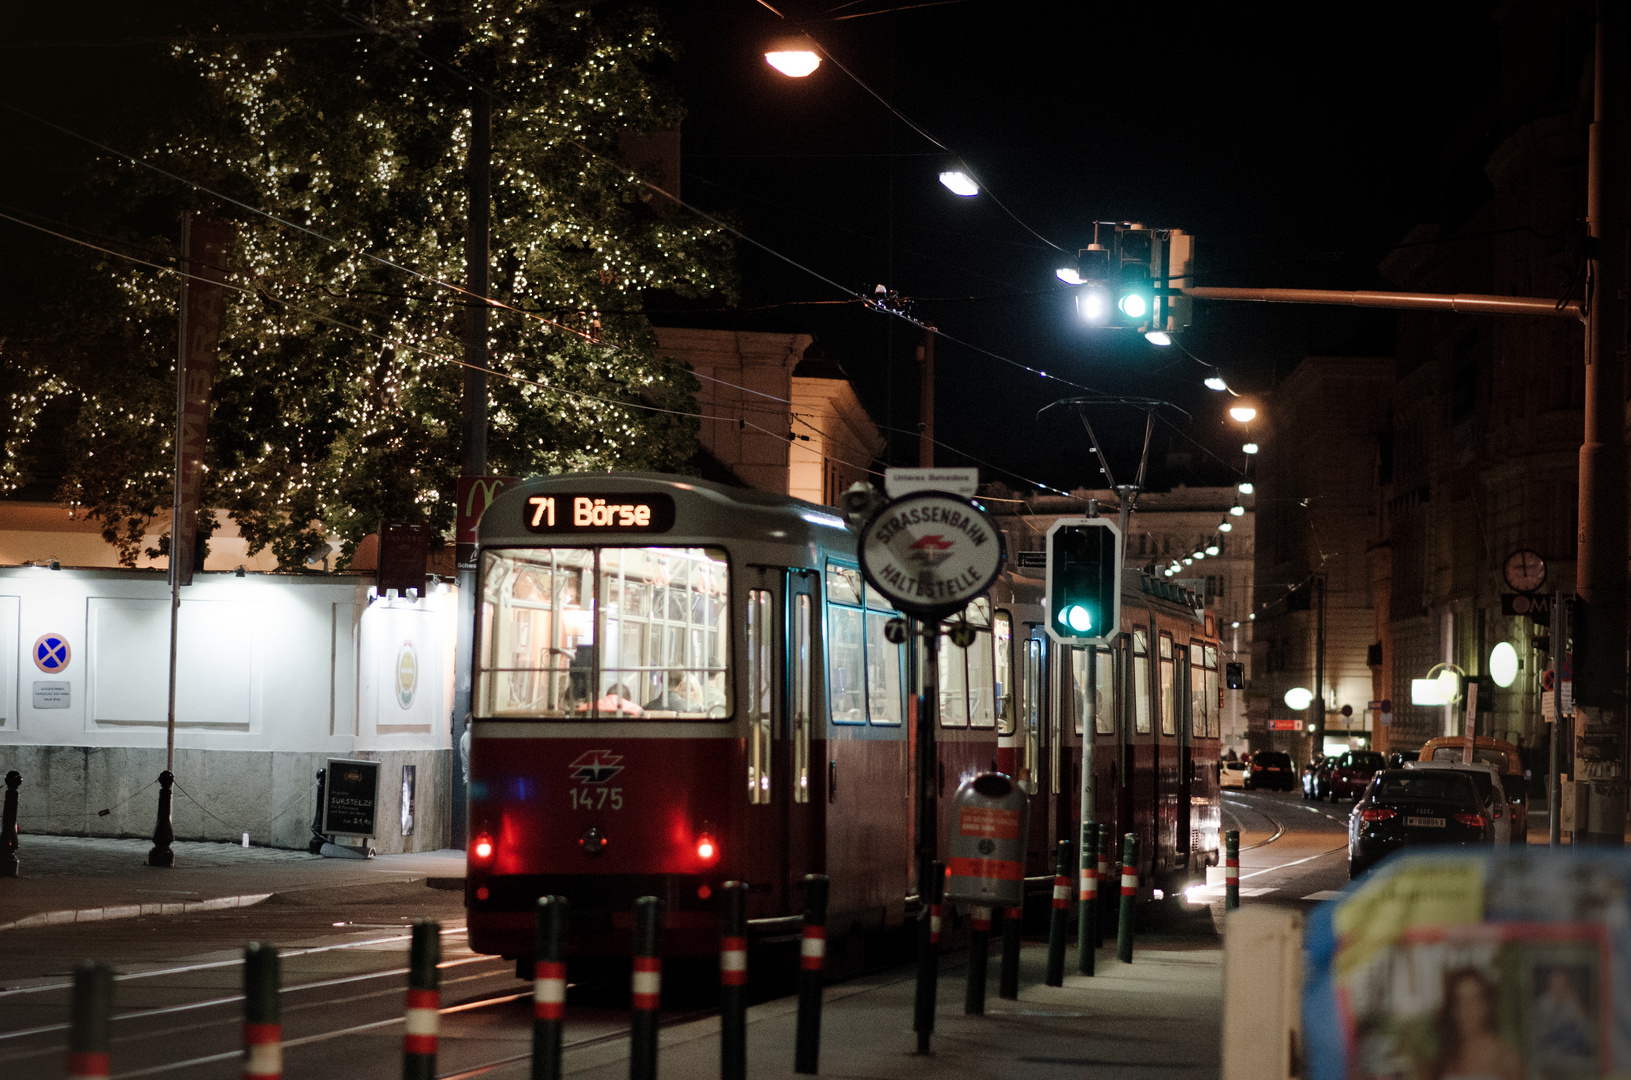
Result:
[
  {"x": 482, "y": 849},
  {"x": 707, "y": 850}
]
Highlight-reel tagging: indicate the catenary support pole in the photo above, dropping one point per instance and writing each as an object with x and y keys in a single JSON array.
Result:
[
  {"x": 1231, "y": 870},
  {"x": 646, "y": 986},
  {"x": 1087, "y": 816},
  {"x": 263, "y": 1023},
  {"x": 422, "y": 1022},
  {"x": 979, "y": 959},
  {"x": 812, "y": 975},
  {"x": 8, "y": 826},
  {"x": 1129, "y": 898},
  {"x": 733, "y": 981},
  {"x": 1059, "y": 917},
  {"x": 1013, "y": 930},
  {"x": 548, "y": 988},
  {"x": 1554, "y": 763},
  {"x": 89, "y": 1018},
  {"x": 1600, "y": 566}
]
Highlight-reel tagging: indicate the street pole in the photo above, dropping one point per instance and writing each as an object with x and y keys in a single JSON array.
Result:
[
  {"x": 1318, "y": 705},
  {"x": 928, "y": 717},
  {"x": 1600, "y": 668},
  {"x": 925, "y": 402},
  {"x": 479, "y": 176},
  {"x": 1554, "y": 782}
]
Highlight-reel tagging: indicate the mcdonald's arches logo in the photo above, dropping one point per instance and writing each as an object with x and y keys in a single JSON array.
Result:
[{"x": 476, "y": 494}]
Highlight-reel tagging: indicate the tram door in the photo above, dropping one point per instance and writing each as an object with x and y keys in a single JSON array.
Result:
[
  {"x": 1184, "y": 780},
  {"x": 1033, "y": 769},
  {"x": 800, "y": 753}
]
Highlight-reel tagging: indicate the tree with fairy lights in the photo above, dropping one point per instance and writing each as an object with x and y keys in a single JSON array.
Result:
[{"x": 337, "y": 404}]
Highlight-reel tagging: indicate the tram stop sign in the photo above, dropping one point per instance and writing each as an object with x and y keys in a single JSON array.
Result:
[{"x": 931, "y": 553}]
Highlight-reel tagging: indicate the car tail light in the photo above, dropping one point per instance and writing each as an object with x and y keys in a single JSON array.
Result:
[
  {"x": 707, "y": 850},
  {"x": 1477, "y": 821},
  {"x": 482, "y": 849},
  {"x": 1377, "y": 813}
]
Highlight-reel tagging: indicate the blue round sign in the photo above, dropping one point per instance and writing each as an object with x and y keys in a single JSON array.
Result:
[{"x": 51, "y": 653}]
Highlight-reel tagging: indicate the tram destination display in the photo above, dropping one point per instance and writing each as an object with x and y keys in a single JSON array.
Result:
[
  {"x": 599, "y": 512},
  {"x": 350, "y": 797},
  {"x": 931, "y": 553}
]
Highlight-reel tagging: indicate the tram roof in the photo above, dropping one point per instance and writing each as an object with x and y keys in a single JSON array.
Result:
[{"x": 785, "y": 528}]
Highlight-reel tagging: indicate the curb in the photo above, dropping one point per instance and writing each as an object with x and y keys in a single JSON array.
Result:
[{"x": 132, "y": 911}]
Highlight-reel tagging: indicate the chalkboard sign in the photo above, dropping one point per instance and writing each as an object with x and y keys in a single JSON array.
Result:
[{"x": 350, "y": 797}]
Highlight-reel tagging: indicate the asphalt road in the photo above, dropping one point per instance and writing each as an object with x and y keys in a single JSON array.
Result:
[{"x": 177, "y": 995}]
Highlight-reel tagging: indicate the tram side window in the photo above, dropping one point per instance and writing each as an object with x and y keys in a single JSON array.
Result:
[
  {"x": 1214, "y": 695},
  {"x": 1198, "y": 707},
  {"x": 1108, "y": 693},
  {"x": 801, "y": 699},
  {"x": 967, "y": 678},
  {"x": 1168, "y": 688},
  {"x": 586, "y": 633},
  {"x": 953, "y": 685},
  {"x": 864, "y": 668},
  {"x": 1141, "y": 682},
  {"x": 1033, "y": 707},
  {"x": 1002, "y": 634}
]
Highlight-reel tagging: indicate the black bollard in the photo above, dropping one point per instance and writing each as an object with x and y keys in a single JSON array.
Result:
[
  {"x": 263, "y": 1023},
  {"x": 733, "y": 980},
  {"x": 1059, "y": 922},
  {"x": 1089, "y": 915},
  {"x": 88, "y": 1022},
  {"x": 8, "y": 826},
  {"x": 548, "y": 988},
  {"x": 979, "y": 950},
  {"x": 812, "y": 973},
  {"x": 1013, "y": 929},
  {"x": 1231, "y": 870},
  {"x": 647, "y": 987},
  {"x": 928, "y": 957},
  {"x": 163, "y": 834},
  {"x": 424, "y": 1016},
  {"x": 1129, "y": 898},
  {"x": 318, "y": 838},
  {"x": 1107, "y": 889}
]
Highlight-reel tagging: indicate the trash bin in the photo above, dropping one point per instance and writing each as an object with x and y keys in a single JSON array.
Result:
[{"x": 988, "y": 822}]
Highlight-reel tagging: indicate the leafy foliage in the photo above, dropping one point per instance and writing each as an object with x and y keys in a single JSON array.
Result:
[{"x": 338, "y": 400}]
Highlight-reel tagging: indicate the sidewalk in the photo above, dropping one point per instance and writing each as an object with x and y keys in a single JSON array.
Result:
[
  {"x": 1160, "y": 1016},
  {"x": 87, "y": 879}
]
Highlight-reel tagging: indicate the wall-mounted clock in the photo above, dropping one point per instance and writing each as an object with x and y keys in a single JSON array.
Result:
[{"x": 1525, "y": 571}]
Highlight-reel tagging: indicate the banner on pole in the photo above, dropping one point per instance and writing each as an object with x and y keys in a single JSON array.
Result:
[{"x": 203, "y": 261}]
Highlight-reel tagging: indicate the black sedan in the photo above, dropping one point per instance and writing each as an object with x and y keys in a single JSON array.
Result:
[
  {"x": 1409, "y": 807},
  {"x": 1271, "y": 769}
]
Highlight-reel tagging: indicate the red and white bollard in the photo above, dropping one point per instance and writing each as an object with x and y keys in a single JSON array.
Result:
[
  {"x": 1129, "y": 898},
  {"x": 1059, "y": 924},
  {"x": 423, "y": 1019},
  {"x": 89, "y": 1021},
  {"x": 1231, "y": 870},
  {"x": 646, "y": 988},
  {"x": 263, "y": 1026}
]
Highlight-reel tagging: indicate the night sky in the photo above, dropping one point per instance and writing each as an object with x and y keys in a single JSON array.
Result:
[{"x": 1297, "y": 144}]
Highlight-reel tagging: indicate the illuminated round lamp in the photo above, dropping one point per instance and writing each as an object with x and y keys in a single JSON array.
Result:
[
  {"x": 1249, "y": 448},
  {"x": 1237, "y": 510},
  {"x": 792, "y": 57},
  {"x": 1226, "y": 526},
  {"x": 1503, "y": 664},
  {"x": 959, "y": 182},
  {"x": 1299, "y": 698},
  {"x": 1197, "y": 554},
  {"x": 1246, "y": 487},
  {"x": 1188, "y": 561},
  {"x": 1158, "y": 337},
  {"x": 1212, "y": 549},
  {"x": 1251, "y": 615},
  {"x": 1244, "y": 414},
  {"x": 1216, "y": 383}
]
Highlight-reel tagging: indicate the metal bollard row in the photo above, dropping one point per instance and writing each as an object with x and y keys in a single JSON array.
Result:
[
  {"x": 1231, "y": 870},
  {"x": 812, "y": 972},
  {"x": 1129, "y": 898},
  {"x": 548, "y": 988}
]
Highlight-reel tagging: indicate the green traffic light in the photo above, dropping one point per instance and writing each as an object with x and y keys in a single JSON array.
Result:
[
  {"x": 1077, "y": 618},
  {"x": 1135, "y": 305}
]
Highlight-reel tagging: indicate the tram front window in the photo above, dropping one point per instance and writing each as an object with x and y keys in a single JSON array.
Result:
[{"x": 604, "y": 633}]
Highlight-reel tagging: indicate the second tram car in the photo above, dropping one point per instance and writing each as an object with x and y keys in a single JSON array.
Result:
[{"x": 679, "y": 684}]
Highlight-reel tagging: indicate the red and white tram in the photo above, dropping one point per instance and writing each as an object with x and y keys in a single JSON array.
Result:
[{"x": 678, "y": 684}]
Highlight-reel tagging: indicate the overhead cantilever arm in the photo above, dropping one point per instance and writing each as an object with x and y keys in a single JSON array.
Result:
[{"x": 1458, "y": 303}]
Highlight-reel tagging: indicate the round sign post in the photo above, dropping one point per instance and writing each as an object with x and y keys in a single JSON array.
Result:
[{"x": 931, "y": 553}]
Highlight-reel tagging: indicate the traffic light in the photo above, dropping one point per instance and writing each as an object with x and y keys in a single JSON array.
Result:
[
  {"x": 1092, "y": 272},
  {"x": 1084, "y": 581},
  {"x": 1134, "y": 292}
]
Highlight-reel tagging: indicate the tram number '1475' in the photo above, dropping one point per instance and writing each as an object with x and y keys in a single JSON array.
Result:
[{"x": 597, "y": 798}]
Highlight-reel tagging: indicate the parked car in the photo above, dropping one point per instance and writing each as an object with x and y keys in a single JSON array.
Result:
[
  {"x": 1351, "y": 774},
  {"x": 1399, "y": 758},
  {"x": 1319, "y": 782},
  {"x": 1487, "y": 779},
  {"x": 1505, "y": 757},
  {"x": 1232, "y": 774},
  {"x": 1270, "y": 769},
  {"x": 1408, "y": 807}
]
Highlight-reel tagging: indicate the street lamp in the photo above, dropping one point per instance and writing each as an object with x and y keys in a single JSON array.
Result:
[
  {"x": 1244, "y": 414},
  {"x": 1216, "y": 383},
  {"x": 792, "y": 57},
  {"x": 959, "y": 182},
  {"x": 1299, "y": 698}
]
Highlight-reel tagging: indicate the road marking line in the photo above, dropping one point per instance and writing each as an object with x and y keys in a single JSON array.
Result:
[
  {"x": 1299, "y": 862},
  {"x": 1323, "y": 894}
]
